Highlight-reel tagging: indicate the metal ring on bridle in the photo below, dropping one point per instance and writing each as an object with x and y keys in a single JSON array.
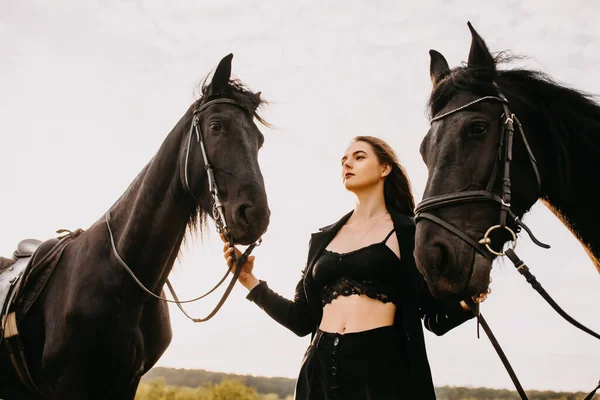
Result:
[{"x": 487, "y": 241}]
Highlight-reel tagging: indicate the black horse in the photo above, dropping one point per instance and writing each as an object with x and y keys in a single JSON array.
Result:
[
  {"x": 93, "y": 332},
  {"x": 479, "y": 178}
]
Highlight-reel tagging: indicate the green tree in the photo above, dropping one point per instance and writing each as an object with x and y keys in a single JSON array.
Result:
[
  {"x": 153, "y": 390},
  {"x": 156, "y": 389},
  {"x": 231, "y": 389}
]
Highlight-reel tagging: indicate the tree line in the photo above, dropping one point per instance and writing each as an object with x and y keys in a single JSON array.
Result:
[{"x": 197, "y": 384}]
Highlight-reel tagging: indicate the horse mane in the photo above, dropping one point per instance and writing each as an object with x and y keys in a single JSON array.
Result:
[
  {"x": 252, "y": 103},
  {"x": 569, "y": 116}
]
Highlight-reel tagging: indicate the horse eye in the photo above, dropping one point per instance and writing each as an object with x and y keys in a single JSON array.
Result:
[
  {"x": 478, "y": 129},
  {"x": 215, "y": 126}
]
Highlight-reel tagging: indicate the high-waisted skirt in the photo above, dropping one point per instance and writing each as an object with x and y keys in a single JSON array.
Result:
[{"x": 359, "y": 365}]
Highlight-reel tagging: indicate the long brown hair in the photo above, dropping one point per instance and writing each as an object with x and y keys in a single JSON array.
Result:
[{"x": 397, "y": 189}]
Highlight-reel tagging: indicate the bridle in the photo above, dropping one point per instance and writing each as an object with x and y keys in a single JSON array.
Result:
[
  {"x": 504, "y": 158},
  {"x": 483, "y": 245},
  {"x": 217, "y": 214}
]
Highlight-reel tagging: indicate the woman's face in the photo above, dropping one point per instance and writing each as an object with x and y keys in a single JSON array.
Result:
[{"x": 361, "y": 168}]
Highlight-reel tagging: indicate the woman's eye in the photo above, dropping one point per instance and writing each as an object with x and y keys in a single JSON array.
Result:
[
  {"x": 359, "y": 157},
  {"x": 478, "y": 129}
]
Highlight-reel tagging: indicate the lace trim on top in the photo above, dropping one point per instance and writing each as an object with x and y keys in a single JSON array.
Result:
[{"x": 346, "y": 287}]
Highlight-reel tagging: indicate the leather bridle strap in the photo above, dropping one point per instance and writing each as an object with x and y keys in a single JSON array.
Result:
[
  {"x": 242, "y": 260},
  {"x": 457, "y": 198},
  {"x": 531, "y": 279},
  {"x": 590, "y": 396},
  {"x": 488, "y": 331},
  {"x": 460, "y": 234}
]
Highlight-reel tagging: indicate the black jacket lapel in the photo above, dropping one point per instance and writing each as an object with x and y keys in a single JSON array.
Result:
[{"x": 320, "y": 240}]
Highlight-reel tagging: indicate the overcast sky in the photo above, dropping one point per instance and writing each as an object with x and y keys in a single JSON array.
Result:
[{"x": 89, "y": 90}]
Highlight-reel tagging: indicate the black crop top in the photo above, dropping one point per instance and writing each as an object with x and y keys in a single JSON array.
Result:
[{"x": 373, "y": 270}]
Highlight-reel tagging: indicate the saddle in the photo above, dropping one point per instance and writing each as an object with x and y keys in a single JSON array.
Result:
[
  {"x": 11, "y": 270},
  {"x": 22, "y": 279},
  {"x": 14, "y": 270}
]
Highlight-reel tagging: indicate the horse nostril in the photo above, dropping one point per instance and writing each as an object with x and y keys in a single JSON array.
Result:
[
  {"x": 443, "y": 258},
  {"x": 242, "y": 213}
]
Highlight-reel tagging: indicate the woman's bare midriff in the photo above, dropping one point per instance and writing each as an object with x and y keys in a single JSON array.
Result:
[{"x": 356, "y": 313}]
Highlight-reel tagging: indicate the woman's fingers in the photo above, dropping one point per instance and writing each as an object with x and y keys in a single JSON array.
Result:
[
  {"x": 481, "y": 298},
  {"x": 227, "y": 249},
  {"x": 228, "y": 256},
  {"x": 227, "y": 253}
]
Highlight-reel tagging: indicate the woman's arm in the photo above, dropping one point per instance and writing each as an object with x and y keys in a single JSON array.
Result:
[{"x": 293, "y": 314}]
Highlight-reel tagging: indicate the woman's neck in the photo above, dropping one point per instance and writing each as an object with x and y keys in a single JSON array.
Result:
[{"x": 369, "y": 204}]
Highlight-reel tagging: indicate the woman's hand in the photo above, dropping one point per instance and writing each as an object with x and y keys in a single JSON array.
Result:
[
  {"x": 246, "y": 278},
  {"x": 477, "y": 299}
]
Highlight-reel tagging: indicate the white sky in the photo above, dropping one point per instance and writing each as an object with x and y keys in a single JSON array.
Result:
[{"x": 90, "y": 90}]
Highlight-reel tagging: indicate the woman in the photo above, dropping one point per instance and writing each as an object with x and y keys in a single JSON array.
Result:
[{"x": 361, "y": 296}]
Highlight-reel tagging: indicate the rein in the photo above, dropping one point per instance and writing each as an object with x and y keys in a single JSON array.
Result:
[
  {"x": 217, "y": 214},
  {"x": 483, "y": 245}
]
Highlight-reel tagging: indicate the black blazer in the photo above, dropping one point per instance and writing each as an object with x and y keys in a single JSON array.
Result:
[{"x": 303, "y": 315}]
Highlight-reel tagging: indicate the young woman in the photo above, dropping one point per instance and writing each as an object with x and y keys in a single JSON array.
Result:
[{"x": 361, "y": 296}]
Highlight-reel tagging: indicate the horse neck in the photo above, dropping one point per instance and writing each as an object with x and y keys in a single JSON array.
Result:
[
  {"x": 572, "y": 199},
  {"x": 149, "y": 221}
]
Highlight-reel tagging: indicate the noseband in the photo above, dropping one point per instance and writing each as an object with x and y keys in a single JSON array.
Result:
[
  {"x": 217, "y": 214},
  {"x": 503, "y": 160}
]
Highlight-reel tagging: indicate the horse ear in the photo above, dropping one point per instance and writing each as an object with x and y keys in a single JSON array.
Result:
[
  {"x": 438, "y": 66},
  {"x": 257, "y": 94},
  {"x": 220, "y": 80},
  {"x": 479, "y": 55}
]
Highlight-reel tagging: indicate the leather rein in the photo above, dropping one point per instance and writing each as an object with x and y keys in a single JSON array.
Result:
[
  {"x": 483, "y": 245},
  {"x": 217, "y": 214}
]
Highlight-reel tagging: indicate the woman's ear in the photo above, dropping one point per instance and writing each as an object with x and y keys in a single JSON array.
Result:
[{"x": 387, "y": 169}]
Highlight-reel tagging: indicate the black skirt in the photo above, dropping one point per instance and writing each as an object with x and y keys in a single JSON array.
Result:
[{"x": 360, "y": 365}]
